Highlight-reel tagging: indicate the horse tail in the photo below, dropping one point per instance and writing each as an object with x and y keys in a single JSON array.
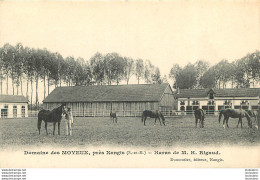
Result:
[{"x": 219, "y": 117}]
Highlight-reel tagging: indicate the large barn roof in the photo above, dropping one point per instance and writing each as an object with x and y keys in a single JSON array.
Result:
[
  {"x": 12, "y": 99},
  {"x": 112, "y": 93},
  {"x": 238, "y": 92}
]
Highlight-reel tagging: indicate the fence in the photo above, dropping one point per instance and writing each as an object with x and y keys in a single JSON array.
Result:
[{"x": 173, "y": 113}]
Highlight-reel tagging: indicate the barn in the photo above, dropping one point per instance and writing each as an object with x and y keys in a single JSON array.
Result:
[
  {"x": 213, "y": 100},
  {"x": 13, "y": 106},
  {"x": 125, "y": 100}
]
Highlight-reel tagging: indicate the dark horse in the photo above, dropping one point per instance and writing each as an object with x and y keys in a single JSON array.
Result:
[
  {"x": 254, "y": 114},
  {"x": 199, "y": 115},
  {"x": 153, "y": 114},
  {"x": 53, "y": 116},
  {"x": 234, "y": 113},
  {"x": 113, "y": 115}
]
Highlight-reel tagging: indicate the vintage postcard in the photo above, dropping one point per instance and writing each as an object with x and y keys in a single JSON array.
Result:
[{"x": 149, "y": 84}]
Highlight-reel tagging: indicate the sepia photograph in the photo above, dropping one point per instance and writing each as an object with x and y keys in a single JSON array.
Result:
[{"x": 127, "y": 84}]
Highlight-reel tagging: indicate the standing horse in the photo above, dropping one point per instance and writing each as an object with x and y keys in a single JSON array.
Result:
[
  {"x": 153, "y": 114},
  {"x": 113, "y": 116},
  {"x": 234, "y": 113},
  {"x": 199, "y": 115},
  {"x": 254, "y": 114},
  {"x": 53, "y": 116}
]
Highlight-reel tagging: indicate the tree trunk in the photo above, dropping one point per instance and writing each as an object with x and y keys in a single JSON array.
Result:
[
  {"x": 13, "y": 85},
  {"x": 44, "y": 87},
  {"x": 7, "y": 84},
  {"x": 1, "y": 83},
  {"x": 48, "y": 81},
  {"x": 17, "y": 89},
  {"x": 31, "y": 92},
  {"x": 138, "y": 79},
  {"x": 21, "y": 80},
  {"x": 60, "y": 80},
  {"x": 36, "y": 92},
  {"x": 27, "y": 88}
]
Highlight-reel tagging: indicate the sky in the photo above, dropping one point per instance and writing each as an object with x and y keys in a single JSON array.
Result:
[{"x": 163, "y": 32}]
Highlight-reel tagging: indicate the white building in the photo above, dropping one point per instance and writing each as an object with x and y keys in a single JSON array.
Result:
[
  {"x": 213, "y": 100},
  {"x": 13, "y": 106}
]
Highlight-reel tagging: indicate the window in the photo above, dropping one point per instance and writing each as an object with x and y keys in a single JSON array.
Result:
[
  {"x": 244, "y": 102},
  {"x": 4, "y": 112},
  {"x": 14, "y": 111},
  {"x": 211, "y": 95},
  {"x": 182, "y": 102},
  {"x": 23, "y": 111},
  {"x": 195, "y": 102},
  {"x": 211, "y": 102},
  {"x": 254, "y": 107},
  {"x": 227, "y": 102}
]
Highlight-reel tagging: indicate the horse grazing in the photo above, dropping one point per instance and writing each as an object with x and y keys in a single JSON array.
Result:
[
  {"x": 113, "y": 116},
  {"x": 53, "y": 116},
  {"x": 254, "y": 114},
  {"x": 234, "y": 113},
  {"x": 199, "y": 115},
  {"x": 153, "y": 114}
]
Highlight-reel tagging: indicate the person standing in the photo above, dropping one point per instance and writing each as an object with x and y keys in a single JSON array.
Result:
[{"x": 69, "y": 121}]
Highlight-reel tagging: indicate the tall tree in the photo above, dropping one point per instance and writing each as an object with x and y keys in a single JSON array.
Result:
[
  {"x": 18, "y": 66},
  {"x": 149, "y": 71},
  {"x": 97, "y": 65},
  {"x": 1, "y": 70},
  {"x": 174, "y": 72},
  {"x": 156, "y": 76},
  {"x": 208, "y": 79},
  {"x": 222, "y": 70},
  {"x": 187, "y": 77},
  {"x": 8, "y": 54},
  {"x": 253, "y": 63},
  {"x": 139, "y": 69},
  {"x": 129, "y": 68},
  {"x": 202, "y": 67}
]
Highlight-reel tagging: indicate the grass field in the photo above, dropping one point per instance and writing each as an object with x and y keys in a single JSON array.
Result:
[{"x": 128, "y": 132}]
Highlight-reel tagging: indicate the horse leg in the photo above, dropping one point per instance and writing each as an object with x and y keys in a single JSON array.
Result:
[
  {"x": 224, "y": 121},
  {"x": 240, "y": 119},
  {"x": 196, "y": 122},
  {"x": 46, "y": 128},
  {"x": 144, "y": 120},
  {"x": 227, "y": 122},
  {"x": 116, "y": 119},
  {"x": 58, "y": 128},
  {"x": 54, "y": 124},
  {"x": 160, "y": 120},
  {"x": 238, "y": 122},
  {"x": 39, "y": 125}
]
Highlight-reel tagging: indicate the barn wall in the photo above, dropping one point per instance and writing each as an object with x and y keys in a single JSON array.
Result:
[
  {"x": 104, "y": 108},
  {"x": 167, "y": 101}
]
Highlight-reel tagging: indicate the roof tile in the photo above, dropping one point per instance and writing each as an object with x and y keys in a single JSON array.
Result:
[{"x": 112, "y": 93}]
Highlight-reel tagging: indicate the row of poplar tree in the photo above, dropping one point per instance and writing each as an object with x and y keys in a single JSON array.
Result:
[{"x": 20, "y": 64}]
